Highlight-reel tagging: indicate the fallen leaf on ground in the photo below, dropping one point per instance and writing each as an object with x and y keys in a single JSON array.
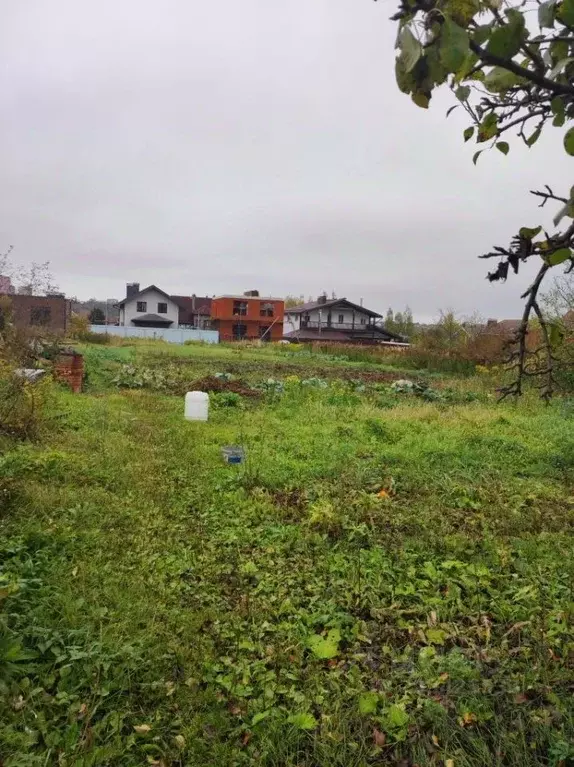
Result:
[
  {"x": 142, "y": 729},
  {"x": 180, "y": 741},
  {"x": 379, "y": 737},
  {"x": 383, "y": 494}
]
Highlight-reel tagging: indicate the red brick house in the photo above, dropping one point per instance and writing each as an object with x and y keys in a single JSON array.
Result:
[
  {"x": 248, "y": 317},
  {"x": 40, "y": 313}
]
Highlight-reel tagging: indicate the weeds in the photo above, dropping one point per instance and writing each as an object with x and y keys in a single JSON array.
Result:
[{"x": 386, "y": 579}]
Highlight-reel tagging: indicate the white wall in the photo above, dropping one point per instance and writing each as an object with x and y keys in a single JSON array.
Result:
[
  {"x": 153, "y": 298},
  {"x": 291, "y": 322},
  {"x": 335, "y": 312},
  {"x": 172, "y": 335}
]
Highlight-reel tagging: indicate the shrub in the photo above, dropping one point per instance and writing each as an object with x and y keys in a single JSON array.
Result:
[{"x": 22, "y": 404}]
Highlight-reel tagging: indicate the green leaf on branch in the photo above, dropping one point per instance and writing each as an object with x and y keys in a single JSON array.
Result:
[
  {"x": 527, "y": 233},
  {"x": 558, "y": 257},
  {"x": 462, "y": 92},
  {"x": 454, "y": 46},
  {"x": 467, "y": 67},
  {"x": 566, "y": 12},
  {"x": 488, "y": 128},
  {"x": 506, "y": 40},
  {"x": 404, "y": 79},
  {"x": 569, "y": 142},
  {"x": 468, "y": 133},
  {"x": 546, "y": 14},
  {"x": 558, "y": 110},
  {"x": 500, "y": 79},
  {"x": 534, "y": 138},
  {"x": 411, "y": 49},
  {"x": 558, "y": 50},
  {"x": 421, "y": 99},
  {"x": 476, "y": 156},
  {"x": 561, "y": 65},
  {"x": 503, "y": 147},
  {"x": 481, "y": 34}
]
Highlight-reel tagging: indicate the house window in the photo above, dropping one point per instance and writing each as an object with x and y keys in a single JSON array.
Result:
[
  {"x": 141, "y": 306},
  {"x": 266, "y": 310},
  {"x": 341, "y": 319},
  {"x": 239, "y": 332},
  {"x": 239, "y": 309},
  {"x": 363, "y": 321},
  {"x": 40, "y": 315},
  {"x": 162, "y": 308},
  {"x": 305, "y": 319},
  {"x": 265, "y": 332}
]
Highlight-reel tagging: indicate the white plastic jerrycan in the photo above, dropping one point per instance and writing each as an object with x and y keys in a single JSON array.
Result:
[{"x": 196, "y": 406}]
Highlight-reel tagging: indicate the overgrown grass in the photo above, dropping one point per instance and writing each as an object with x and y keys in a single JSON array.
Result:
[{"x": 162, "y": 607}]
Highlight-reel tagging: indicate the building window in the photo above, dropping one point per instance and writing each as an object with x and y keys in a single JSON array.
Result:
[
  {"x": 305, "y": 319},
  {"x": 141, "y": 306},
  {"x": 363, "y": 321},
  {"x": 265, "y": 332},
  {"x": 162, "y": 308},
  {"x": 341, "y": 319},
  {"x": 40, "y": 315},
  {"x": 266, "y": 310},
  {"x": 239, "y": 332},
  {"x": 239, "y": 308}
]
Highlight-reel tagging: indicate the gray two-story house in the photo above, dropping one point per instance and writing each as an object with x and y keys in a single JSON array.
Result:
[{"x": 335, "y": 320}]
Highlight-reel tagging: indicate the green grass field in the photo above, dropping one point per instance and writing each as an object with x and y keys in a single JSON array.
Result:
[{"x": 162, "y": 607}]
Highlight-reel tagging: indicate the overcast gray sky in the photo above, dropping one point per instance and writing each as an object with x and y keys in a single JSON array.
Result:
[{"x": 213, "y": 147}]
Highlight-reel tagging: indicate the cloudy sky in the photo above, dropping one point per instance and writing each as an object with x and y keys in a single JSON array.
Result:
[{"x": 214, "y": 147}]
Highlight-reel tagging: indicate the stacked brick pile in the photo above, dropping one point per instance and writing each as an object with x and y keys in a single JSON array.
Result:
[{"x": 69, "y": 368}]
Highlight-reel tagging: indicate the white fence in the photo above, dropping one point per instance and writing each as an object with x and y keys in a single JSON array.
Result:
[{"x": 172, "y": 335}]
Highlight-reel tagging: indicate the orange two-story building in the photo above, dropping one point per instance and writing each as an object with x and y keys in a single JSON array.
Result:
[{"x": 248, "y": 317}]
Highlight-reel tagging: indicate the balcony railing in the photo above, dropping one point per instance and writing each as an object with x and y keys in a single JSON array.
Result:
[{"x": 311, "y": 325}]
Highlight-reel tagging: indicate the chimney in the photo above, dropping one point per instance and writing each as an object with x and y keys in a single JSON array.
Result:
[
  {"x": 322, "y": 299},
  {"x": 193, "y": 297},
  {"x": 251, "y": 294},
  {"x": 132, "y": 289}
]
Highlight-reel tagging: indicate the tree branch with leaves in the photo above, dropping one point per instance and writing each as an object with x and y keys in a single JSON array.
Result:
[{"x": 509, "y": 77}]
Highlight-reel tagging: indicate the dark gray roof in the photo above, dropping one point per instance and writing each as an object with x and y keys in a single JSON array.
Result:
[
  {"x": 157, "y": 318},
  {"x": 145, "y": 290},
  {"x": 302, "y": 308},
  {"x": 374, "y": 333}
]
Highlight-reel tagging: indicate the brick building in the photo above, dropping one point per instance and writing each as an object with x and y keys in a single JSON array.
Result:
[
  {"x": 248, "y": 317},
  {"x": 41, "y": 313}
]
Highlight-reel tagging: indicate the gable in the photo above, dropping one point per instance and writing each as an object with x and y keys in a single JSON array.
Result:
[{"x": 141, "y": 296}]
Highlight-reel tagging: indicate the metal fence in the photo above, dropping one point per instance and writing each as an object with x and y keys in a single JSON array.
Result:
[{"x": 172, "y": 335}]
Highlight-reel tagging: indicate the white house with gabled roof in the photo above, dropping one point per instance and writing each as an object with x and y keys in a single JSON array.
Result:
[{"x": 148, "y": 308}]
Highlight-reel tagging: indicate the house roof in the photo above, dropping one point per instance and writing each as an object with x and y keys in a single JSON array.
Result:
[
  {"x": 145, "y": 290},
  {"x": 156, "y": 318},
  {"x": 506, "y": 327},
  {"x": 302, "y": 308},
  {"x": 249, "y": 298},
  {"x": 377, "y": 332},
  {"x": 186, "y": 304}
]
